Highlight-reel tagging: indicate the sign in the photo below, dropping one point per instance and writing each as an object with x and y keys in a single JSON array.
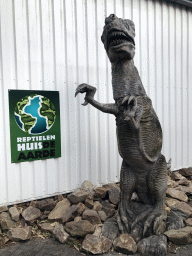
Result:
[{"x": 34, "y": 125}]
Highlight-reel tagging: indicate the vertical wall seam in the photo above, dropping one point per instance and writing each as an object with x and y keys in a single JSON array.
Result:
[
  {"x": 42, "y": 77},
  {"x": 182, "y": 153},
  {"x": 3, "y": 104},
  {"x": 169, "y": 79},
  {"x": 67, "y": 80},
  {"x": 162, "y": 61},
  {"x": 29, "y": 69},
  {"x": 188, "y": 88},
  {"x": 55, "y": 78},
  {"x": 97, "y": 112},
  {"x": 88, "y": 107},
  {"x": 175, "y": 19}
]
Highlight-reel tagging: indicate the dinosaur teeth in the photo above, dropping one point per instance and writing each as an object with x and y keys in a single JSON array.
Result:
[{"x": 117, "y": 37}]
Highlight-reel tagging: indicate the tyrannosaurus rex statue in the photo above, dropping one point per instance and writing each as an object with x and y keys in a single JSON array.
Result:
[{"x": 139, "y": 134}]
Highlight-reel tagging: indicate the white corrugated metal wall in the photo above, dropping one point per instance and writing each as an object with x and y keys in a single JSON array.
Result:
[{"x": 55, "y": 45}]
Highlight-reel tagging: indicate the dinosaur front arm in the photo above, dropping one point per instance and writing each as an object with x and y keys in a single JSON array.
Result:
[{"x": 106, "y": 108}]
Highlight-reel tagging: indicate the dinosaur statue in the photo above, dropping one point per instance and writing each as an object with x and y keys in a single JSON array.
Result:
[{"x": 139, "y": 134}]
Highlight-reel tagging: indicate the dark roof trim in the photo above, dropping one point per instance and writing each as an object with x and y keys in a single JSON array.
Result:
[{"x": 187, "y": 3}]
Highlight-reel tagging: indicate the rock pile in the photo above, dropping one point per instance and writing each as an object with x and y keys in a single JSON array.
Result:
[{"x": 88, "y": 214}]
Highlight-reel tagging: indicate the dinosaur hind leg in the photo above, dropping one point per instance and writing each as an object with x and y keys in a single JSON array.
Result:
[
  {"x": 157, "y": 181},
  {"x": 127, "y": 184}
]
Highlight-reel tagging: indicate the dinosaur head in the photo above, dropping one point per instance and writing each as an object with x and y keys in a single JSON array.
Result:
[{"x": 118, "y": 38}]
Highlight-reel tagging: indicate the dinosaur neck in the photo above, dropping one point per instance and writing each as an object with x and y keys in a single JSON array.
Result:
[{"x": 126, "y": 80}]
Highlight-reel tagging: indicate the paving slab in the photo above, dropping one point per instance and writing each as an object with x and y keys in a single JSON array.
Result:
[{"x": 51, "y": 247}]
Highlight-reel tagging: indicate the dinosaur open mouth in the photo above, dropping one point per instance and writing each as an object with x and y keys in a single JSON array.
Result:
[{"x": 118, "y": 37}]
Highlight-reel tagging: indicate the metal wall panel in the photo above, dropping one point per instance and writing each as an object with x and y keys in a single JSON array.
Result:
[{"x": 55, "y": 45}]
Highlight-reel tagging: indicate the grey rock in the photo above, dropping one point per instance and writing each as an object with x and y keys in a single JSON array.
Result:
[
  {"x": 57, "y": 212},
  {"x": 175, "y": 175},
  {"x": 153, "y": 246},
  {"x": 174, "y": 221},
  {"x": 88, "y": 187},
  {"x": 45, "y": 227},
  {"x": 79, "y": 229},
  {"x": 110, "y": 229},
  {"x": 3, "y": 208},
  {"x": 78, "y": 196},
  {"x": 31, "y": 213},
  {"x": 6, "y": 221},
  {"x": 60, "y": 234},
  {"x": 180, "y": 236},
  {"x": 92, "y": 216},
  {"x": 114, "y": 194},
  {"x": 108, "y": 208},
  {"x": 174, "y": 193},
  {"x": 96, "y": 245},
  {"x": 46, "y": 204},
  {"x": 125, "y": 244},
  {"x": 18, "y": 233},
  {"x": 14, "y": 213},
  {"x": 97, "y": 206},
  {"x": 171, "y": 201},
  {"x": 71, "y": 212},
  {"x": 102, "y": 215}
]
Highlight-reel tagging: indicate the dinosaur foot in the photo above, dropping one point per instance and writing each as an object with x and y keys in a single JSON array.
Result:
[
  {"x": 151, "y": 220},
  {"x": 88, "y": 89}
]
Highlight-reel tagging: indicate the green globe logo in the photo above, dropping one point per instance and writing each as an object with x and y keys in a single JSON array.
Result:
[{"x": 35, "y": 114}]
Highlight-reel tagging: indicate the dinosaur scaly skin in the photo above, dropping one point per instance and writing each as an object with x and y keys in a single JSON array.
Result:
[{"x": 139, "y": 134}]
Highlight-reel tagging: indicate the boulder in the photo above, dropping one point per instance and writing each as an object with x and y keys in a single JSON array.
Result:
[
  {"x": 187, "y": 172},
  {"x": 60, "y": 197},
  {"x": 171, "y": 201},
  {"x": 88, "y": 187},
  {"x": 92, "y": 216},
  {"x": 46, "y": 227},
  {"x": 174, "y": 193},
  {"x": 100, "y": 192},
  {"x": 6, "y": 222},
  {"x": 19, "y": 233},
  {"x": 3, "y": 208},
  {"x": 114, "y": 194},
  {"x": 78, "y": 196},
  {"x": 186, "y": 189},
  {"x": 60, "y": 234},
  {"x": 174, "y": 221},
  {"x": 89, "y": 202},
  {"x": 153, "y": 245},
  {"x": 71, "y": 212},
  {"x": 97, "y": 206},
  {"x": 31, "y": 213},
  {"x": 108, "y": 208},
  {"x": 175, "y": 175},
  {"x": 78, "y": 218},
  {"x": 96, "y": 245},
  {"x": 46, "y": 204},
  {"x": 180, "y": 236},
  {"x": 102, "y": 215},
  {"x": 57, "y": 212},
  {"x": 110, "y": 229},
  {"x": 182, "y": 209},
  {"x": 80, "y": 228},
  {"x": 189, "y": 222},
  {"x": 125, "y": 244},
  {"x": 14, "y": 213}
]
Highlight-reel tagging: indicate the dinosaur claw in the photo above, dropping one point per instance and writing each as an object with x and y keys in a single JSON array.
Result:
[
  {"x": 85, "y": 103},
  {"x": 130, "y": 99},
  {"x": 125, "y": 99}
]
